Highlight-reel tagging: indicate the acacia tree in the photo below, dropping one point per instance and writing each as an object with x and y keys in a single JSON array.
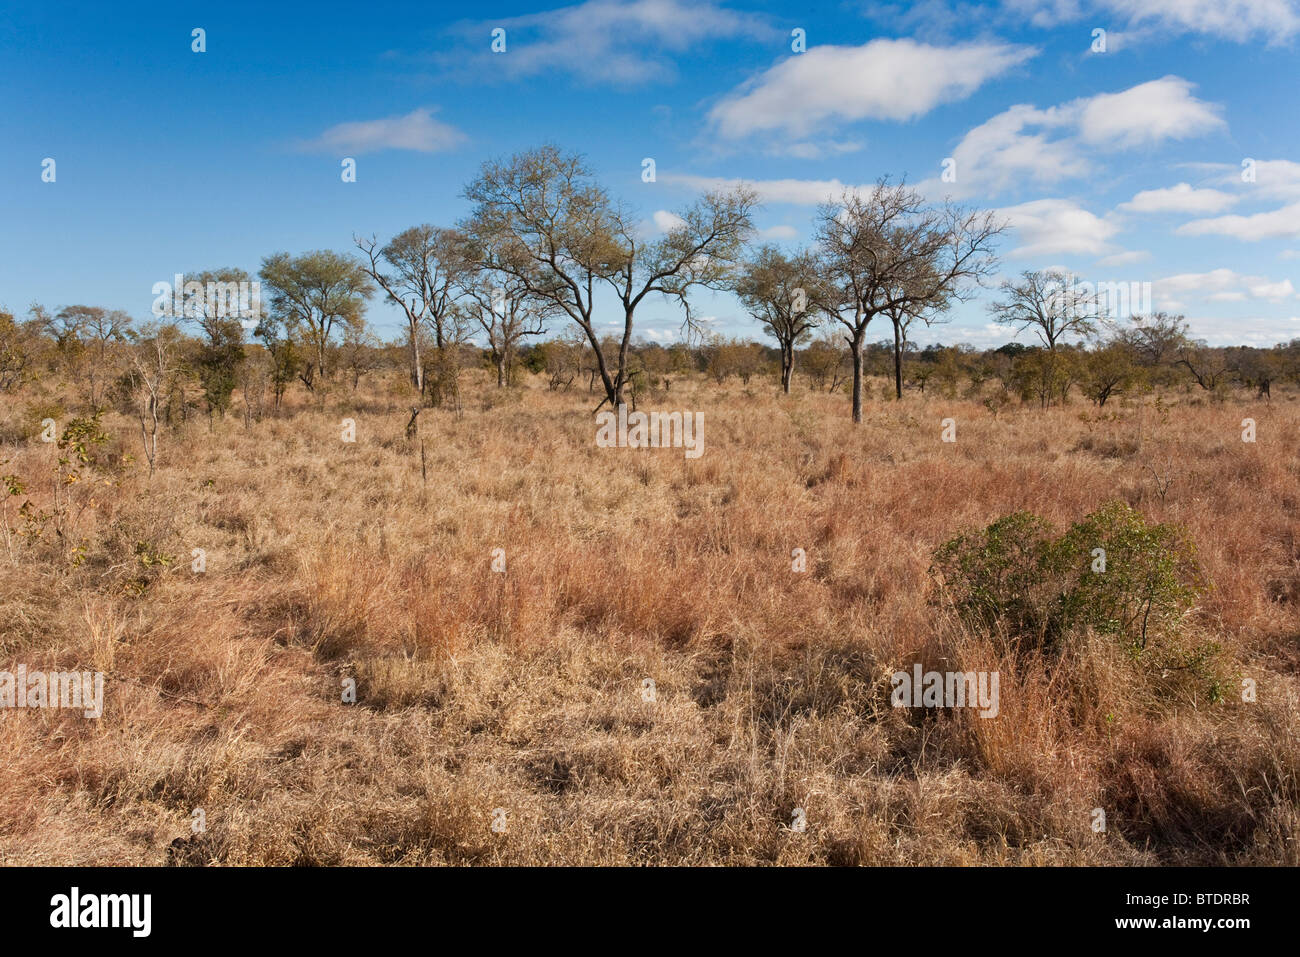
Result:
[
  {"x": 217, "y": 313},
  {"x": 426, "y": 264},
  {"x": 541, "y": 219},
  {"x": 888, "y": 252},
  {"x": 1156, "y": 341},
  {"x": 89, "y": 332},
  {"x": 316, "y": 293},
  {"x": 777, "y": 290}
]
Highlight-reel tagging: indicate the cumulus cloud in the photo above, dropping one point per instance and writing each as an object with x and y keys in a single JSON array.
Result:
[
  {"x": 1027, "y": 145},
  {"x": 1147, "y": 114},
  {"x": 884, "y": 79},
  {"x": 666, "y": 222},
  {"x": 1182, "y": 198},
  {"x": 1281, "y": 223},
  {"x": 1048, "y": 227}
]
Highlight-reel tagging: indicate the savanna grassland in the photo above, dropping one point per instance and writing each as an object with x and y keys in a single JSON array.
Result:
[{"x": 523, "y": 689}]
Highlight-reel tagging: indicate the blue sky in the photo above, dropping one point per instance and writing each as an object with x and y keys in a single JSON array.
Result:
[{"x": 1122, "y": 165}]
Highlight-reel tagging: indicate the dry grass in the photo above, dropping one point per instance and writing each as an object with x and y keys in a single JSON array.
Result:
[{"x": 523, "y": 690}]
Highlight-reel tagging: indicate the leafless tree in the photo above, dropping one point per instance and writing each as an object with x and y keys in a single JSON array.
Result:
[
  {"x": 425, "y": 265},
  {"x": 1049, "y": 302},
  {"x": 540, "y": 218},
  {"x": 888, "y": 252},
  {"x": 153, "y": 361},
  {"x": 506, "y": 313}
]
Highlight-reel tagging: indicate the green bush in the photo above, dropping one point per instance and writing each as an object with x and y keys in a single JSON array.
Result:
[
  {"x": 995, "y": 578},
  {"x": 1015, "y": 579},
  {"x": 1151, "y": 578}
]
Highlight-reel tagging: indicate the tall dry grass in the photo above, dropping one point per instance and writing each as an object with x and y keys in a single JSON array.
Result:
[{"x": 476, "y": 690}]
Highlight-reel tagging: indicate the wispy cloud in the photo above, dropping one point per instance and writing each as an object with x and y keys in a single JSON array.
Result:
[
  {"x": 1219, "y": 285},
  {"x": 626, "y": 42},
  {"x": 798, "y": 192},
  {"x": 417, "y": 130}
]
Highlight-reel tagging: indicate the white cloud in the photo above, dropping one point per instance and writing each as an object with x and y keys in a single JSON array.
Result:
[
  {"x": 1046, "y": 227},
  {"x": 1219, "y": 285},
  {"x": 1273, "y": 179},
  {"x": 1252, "y": 331},
  {"x": 417, "y": 130},
  {"x": 1127, "y": 258},
  {"x": 779, "y": 232},
  {"x": 1275, "y": 291},
  {"x": 1024, "y": 144},
  {"x": 1281, "y": 223},
  {"x": 884, "y": 79},
  {"x": 1147, "y": 114},
  {"x": 627, "y": 42},
  {"x": 799, "y": 192},
  {"x": 1239, "y": 20},
  {"x": 805, "y": 149},
  {"x": 1002, "y": 152},
  {"x": 666, "y": 222},
  {"x": 1182, "y": 198}
]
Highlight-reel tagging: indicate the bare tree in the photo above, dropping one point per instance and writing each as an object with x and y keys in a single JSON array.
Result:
[
  {"x": 507, "y": 313},
  {"x": 1049, "y": 302},
  {"x": 888, "y": 252},
  {"x": 426, "y": 263},
  {"x": 541, "y": 219},
  {"x": 153, "y": 363},
  {"x": 1210, "y": 368}
]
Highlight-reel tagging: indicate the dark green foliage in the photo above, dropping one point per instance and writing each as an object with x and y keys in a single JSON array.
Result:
[{"x": 1014, "y": 580}]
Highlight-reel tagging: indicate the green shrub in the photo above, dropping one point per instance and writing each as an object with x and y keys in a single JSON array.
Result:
[
  {"x": 995, "y": 578},
  {"x": 1015, "y": 579},
  {"x": 1151, "y": 577}
]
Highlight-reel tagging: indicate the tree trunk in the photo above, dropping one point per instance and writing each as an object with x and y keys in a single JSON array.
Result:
[
  {"x": 787, "y": 366},
  {"x": 857, "y": 378},
  {"x": 417, "y": 370},
  {"x": 898, "y": 360}
]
